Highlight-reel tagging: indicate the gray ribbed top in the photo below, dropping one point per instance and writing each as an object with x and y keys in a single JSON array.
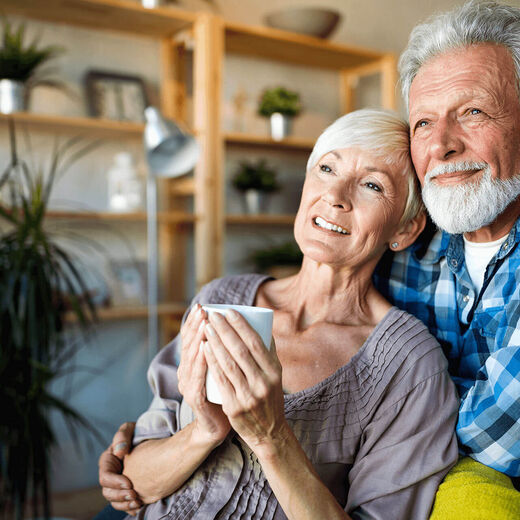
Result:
[{"x": 379, "y": 431}]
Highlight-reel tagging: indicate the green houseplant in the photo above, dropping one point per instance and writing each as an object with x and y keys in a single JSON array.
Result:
[
  {"x": 280, "y": 105},
  {"x": 278, "y": 260},
  {"x": 22, "y": 67},
  {"x": 39, "y": 282},
  {"x": 255, "y": 179}
]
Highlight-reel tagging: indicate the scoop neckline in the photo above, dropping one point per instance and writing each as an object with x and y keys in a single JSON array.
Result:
[{"x": 357, "y": 358}]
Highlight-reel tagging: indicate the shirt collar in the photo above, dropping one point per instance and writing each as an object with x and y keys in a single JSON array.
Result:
[{"x": 443, "y": 244}]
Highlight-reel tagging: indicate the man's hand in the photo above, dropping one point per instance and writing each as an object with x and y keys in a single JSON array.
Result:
[{"x": 117, "y": 488}]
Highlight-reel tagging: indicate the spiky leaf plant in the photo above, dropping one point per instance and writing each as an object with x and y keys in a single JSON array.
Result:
[
  {"x": 25, "y": 62},
  {"x": 39, "y": 281}
]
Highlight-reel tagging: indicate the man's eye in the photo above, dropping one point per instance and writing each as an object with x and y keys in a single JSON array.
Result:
[
  {"x": 373, "y": 186},
  {"x": 325, "y": 168}
]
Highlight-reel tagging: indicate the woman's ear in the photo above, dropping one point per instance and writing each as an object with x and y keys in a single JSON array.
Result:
[{"x": 408, "y": 233}]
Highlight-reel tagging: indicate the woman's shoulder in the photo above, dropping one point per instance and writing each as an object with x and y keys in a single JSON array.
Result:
[
  {"x": 238, "y": 289},
  {"x": 401, "y": 355}
]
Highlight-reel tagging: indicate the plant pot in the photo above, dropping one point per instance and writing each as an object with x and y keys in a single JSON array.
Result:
[
  {"x": 255, "y": 202},
  {"x": 280, "y": 126},
  {"x": 13, "y": 96}
]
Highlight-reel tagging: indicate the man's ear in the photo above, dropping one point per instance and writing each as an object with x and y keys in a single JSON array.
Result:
[{"x": 408, "y": 233}]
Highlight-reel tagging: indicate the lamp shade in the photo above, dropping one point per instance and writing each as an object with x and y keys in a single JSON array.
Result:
[{"x": 169, "y": 151}]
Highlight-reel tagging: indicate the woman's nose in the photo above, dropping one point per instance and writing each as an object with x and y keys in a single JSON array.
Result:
[{"x": 338, "y": 196}]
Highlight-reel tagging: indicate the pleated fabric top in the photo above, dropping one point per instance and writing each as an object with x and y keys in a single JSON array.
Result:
[{"x": 379, "y": 431}]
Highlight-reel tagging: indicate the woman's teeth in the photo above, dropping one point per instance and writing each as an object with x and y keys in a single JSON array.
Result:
[{"x": 327, "y": 225}]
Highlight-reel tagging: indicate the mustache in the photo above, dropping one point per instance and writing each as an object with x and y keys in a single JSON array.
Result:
[{"x": 463, "y": 166}]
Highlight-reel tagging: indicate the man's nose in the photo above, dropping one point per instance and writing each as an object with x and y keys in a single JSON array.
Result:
[{"x": 445, "y": 139}]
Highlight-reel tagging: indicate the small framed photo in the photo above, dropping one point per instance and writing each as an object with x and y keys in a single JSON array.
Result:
[
  {"x": 115, "y": 96},
  {"x": 128, "y": 282}
]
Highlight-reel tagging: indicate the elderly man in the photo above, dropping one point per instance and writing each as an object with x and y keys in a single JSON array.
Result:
[
  {"x": 460, "y": 77},
  {"x": 461, "y": 80}
]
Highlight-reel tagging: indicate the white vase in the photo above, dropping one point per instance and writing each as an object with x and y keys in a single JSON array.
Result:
[
  {"x": 12, "y": 96},
  {"x": 280, "y": 126},
  {"x": 255, "y": 202}
]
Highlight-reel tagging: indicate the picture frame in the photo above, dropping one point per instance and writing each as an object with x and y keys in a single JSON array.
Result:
[
  {"x": 120, "y": 97},
  {"x": 128, "y": 282}
]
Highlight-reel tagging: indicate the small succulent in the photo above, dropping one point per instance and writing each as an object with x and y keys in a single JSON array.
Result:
[
  {"x": 280, "y": 100},
  {"x": 255, "y": 176}
]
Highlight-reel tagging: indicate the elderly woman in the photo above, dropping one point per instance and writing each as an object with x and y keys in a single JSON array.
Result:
[{"x": 352, "y": 414}]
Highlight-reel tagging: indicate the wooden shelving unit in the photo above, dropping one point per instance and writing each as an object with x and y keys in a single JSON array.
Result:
[
  {"x": 212, "y": 38},
  {"x": 118, "y": 313}
]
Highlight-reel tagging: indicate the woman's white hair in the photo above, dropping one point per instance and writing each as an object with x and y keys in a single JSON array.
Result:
[
  {"x": 381, "y": 132},
  {"x": 472, "y": 24}
]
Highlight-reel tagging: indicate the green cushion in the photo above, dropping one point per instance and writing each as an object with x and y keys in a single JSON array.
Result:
[{"x": 472, "y": 491}]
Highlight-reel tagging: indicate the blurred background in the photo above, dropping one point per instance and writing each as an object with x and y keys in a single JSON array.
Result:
[{"x": 220, "y": 69}]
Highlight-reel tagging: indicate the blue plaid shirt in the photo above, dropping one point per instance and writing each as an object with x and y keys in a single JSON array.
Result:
[{"x": 480, "y": 335}]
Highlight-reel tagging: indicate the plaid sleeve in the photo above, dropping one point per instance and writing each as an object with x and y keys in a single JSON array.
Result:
[{"x": 488, "y": 427}]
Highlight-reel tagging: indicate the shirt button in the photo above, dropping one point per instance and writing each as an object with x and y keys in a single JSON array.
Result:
[
  {"x": 505, "y": 245},
  {"x": 454, "y": 263},
  {"x": 466, "y": 299}
]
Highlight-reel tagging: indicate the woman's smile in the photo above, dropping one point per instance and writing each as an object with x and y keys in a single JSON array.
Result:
[{"x": 329, "y": 226}]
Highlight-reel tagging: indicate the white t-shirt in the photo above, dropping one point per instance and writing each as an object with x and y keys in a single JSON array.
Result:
[{"x": 477, "y": 256}]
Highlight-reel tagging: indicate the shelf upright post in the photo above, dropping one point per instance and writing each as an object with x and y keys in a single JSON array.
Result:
[{"x": 209, "y": 178}]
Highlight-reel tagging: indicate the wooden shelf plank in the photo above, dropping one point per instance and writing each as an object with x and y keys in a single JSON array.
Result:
[
  {"x": 169, "y": 309},
  {"x": 289, "y": 143},
  {"x": 171, "y": 217},
  {"x": 262, "y": 220},
  {"x": 274, "y": 44},
  {"x": 116, "y": 15},
  {"x": 86, "y": 125}
]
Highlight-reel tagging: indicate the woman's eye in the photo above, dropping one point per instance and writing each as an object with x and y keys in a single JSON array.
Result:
[
  {"x": 373, "y": 186},
  {"x": 474, "y": 111},
  {"x": 421, "y": 124},
  {"x": 325, "y": 168}
]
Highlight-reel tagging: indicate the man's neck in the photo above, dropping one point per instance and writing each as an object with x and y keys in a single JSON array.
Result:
[{"x": 500, "y": 227}]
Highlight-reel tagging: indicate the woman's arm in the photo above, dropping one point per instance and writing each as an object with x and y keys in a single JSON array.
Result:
[
  {"x": 249, "y": 378},
  {"x": 158, "y": 467}
]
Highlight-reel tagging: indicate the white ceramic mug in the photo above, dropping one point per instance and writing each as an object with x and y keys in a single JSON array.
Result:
[{"x": 260, "y": 319}]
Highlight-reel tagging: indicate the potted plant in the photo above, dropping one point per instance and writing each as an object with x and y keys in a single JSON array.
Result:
[
  {"x": 40, "y": 282},
  {"x": 21, "y": 67},
  {"x": 278, "y": 260},
  {"x": 280, "y": 105},
  {"x": 255, "y": 179}
]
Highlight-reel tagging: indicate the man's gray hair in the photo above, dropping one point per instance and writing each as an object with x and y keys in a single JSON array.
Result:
[
  {"x": 473, "y": 23},
  {"x": 381, "y": 132}
]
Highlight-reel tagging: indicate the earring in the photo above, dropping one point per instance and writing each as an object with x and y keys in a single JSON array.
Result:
[{"x": 395, "y": 244}]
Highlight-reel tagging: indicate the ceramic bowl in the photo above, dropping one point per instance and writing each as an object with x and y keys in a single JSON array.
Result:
[{"x": 310, "y": 21}]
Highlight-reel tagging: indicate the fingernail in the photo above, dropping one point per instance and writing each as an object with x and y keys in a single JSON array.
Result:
[
  {"x": 125, "y": 486},
  {"x": 232, "y": 315},
  {"x": 121, "y": 446},
  {"x": 129, "y": 497},
  {"x": 210, "y": 330},
  {"x": 133, "y": 505},
  {"x": 201, "y": 326}
]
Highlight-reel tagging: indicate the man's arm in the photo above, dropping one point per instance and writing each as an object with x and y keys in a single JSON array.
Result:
[{"x": 488, "y": 427}]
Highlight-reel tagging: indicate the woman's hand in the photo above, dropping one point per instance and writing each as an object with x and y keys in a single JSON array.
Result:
[
  {"x": 211, "y": 423},
  {"x": 249, "y": 378}
]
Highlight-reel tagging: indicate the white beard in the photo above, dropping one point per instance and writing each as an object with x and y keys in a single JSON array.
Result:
[{"x": 469, "y": 206}]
